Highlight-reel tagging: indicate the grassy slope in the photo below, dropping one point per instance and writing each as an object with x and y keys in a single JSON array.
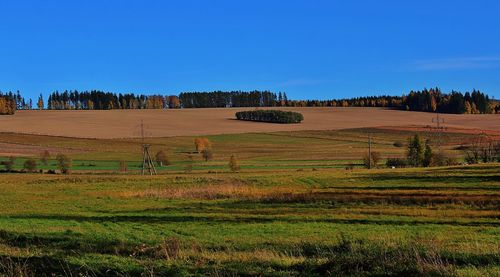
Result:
[
  {"x": 277, "y": 217},
  {"x": 441, "y": 220}
]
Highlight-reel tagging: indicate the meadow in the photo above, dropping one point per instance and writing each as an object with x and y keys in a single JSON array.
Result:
[{"x": 293, "y": 209}]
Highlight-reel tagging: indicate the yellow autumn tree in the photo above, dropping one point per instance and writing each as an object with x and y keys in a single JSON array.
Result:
[{"x": 202, "y": 144}]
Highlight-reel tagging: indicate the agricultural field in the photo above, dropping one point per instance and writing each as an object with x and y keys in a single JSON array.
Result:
[
  {"x": 301, "y": 204},
  {"x": 195, "y": 122}
]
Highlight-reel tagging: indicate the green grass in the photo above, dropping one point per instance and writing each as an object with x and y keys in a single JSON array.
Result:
[
  {"x": 291, "y": 211},
  {"x": 277, "y": 223}
]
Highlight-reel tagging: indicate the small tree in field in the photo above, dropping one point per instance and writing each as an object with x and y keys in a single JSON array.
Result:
[
  {"x": 428, "y": 156},
  {"x": 375, "y": 159},
  {"x": 30, "y": 165},
  {"x": 202, "y": 144},
  {"x": 122, "y": 166},
  {"x": 415, "y": 154},
  {"x": 161, "y": 158},
  {"x": 233, "y": 164},
  {"x": 207, "y": 154},
  {"x": 44, "y": 157},
  {"x": 64, "y": 163}
]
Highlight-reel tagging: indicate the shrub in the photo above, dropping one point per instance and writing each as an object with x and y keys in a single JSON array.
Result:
[
  {"x": 9, "y": 164},
  {"x": 30, "y": 165},
  {"x": 161, "y": 158},
  {"x": 442, "y": 159},
  {"x": 396, "y": 162},
  {"x": 233, "y": 164},
  {"x": 272, "y": 116},
  {"x": 398, "y": 144},
  {"x": 64, "y": 163}
]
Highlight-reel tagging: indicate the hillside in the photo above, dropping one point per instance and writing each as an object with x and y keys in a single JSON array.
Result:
[{"x": 188, "y": 122}]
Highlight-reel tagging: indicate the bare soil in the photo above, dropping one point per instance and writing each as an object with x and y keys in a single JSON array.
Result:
[{"x": 193, "y": 122}]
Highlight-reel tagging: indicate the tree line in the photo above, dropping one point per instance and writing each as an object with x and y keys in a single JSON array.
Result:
[
  {"x": 222, "y": 99},
  {"x": 100, "y": 100},
  {"x": 427, "y": 100}
]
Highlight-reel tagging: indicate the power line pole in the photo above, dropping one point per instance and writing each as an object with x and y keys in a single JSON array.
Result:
[{"x": 439, "y": 130}]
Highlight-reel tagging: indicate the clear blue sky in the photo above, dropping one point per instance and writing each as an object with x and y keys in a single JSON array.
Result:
[{"x": 310, "y": 49}]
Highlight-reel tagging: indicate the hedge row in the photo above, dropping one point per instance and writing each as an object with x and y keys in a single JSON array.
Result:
[{"x": 272, "y": 116}]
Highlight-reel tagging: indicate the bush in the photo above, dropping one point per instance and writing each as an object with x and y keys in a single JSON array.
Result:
[
  {"x": 398, "y": 144},
  {"x": 396, "y": 162},
  {"x": 30, "y": 165},
  {"x": 272, "y": 116},
  {"x": 441, "y": 159},
  {"x": 233, "y": 164},
  {"x": 9, "y": 164},
  {"x": 162, "y": 159}
]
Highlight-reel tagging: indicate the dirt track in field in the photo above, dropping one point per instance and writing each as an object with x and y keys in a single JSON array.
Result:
[{"x": 192, "y": 122}]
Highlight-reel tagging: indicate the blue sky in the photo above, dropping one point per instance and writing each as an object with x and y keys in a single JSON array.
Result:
[{"x": 309, "y": 49}]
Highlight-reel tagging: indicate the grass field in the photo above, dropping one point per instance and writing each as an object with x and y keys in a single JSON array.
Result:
[
  {"x": 440, "y": 221},
  {"x": 293, "y": 209}
]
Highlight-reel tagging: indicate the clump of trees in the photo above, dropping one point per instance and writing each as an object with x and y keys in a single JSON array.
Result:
[
  {"x": 483, "y": 150},
  {"x": 7, "y": 105},
  {"x": 421, "y": 154},
  {"x": 272, "y": 116}
]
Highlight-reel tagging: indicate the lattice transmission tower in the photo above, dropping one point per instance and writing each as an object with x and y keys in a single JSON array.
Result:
[{"x": 147, "y": 162}]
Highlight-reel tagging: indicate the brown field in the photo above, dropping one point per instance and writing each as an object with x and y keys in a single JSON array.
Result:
[{"x": 189, "y": 122}]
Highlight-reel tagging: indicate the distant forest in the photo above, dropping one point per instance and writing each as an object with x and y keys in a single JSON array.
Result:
[{"x": 427, "y": 100}]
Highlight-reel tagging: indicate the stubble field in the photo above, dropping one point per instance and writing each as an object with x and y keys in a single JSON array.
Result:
[{"x": 189, "y": 122}]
